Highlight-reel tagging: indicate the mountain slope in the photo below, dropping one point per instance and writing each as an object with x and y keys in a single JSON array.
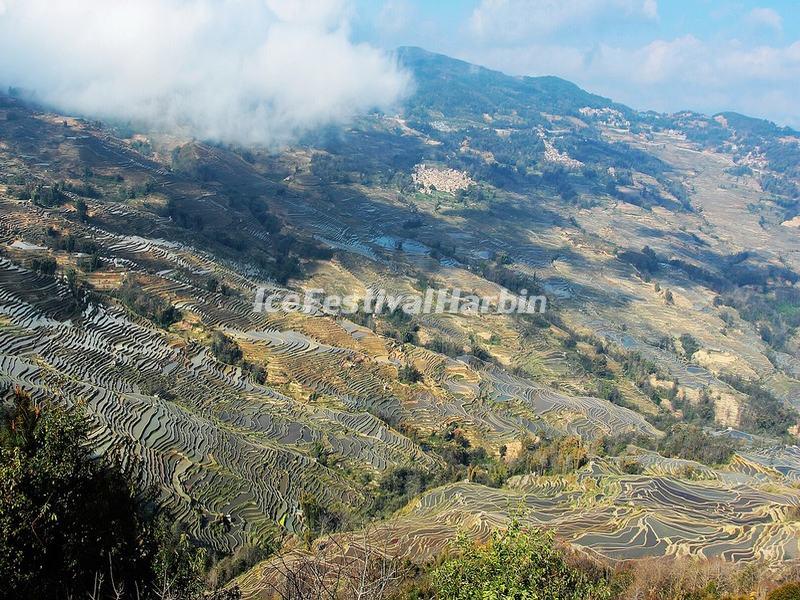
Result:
[{"x": 665, "y": 246}]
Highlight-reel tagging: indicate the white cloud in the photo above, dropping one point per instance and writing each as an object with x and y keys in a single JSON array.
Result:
[
  {"x": 510, "y": 20},
  {"x": 395, "y": 16},
  {"x": 718, "y": 65},
  {"x": 248, "y": 71},
  {"x": 650, "y": 9},
  {"x": 765, "y": 17}
]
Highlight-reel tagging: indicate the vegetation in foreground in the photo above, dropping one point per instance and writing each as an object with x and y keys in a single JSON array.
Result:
[
  {"x": 515, "y": 563},
  {"x": 73, "y": 525}
]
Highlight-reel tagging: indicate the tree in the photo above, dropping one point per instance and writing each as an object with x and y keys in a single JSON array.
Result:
[
  {"x": 178, "y": 566},
  {"x": 46, "y": 265},
  {"x": 690, "y": 442},
  {"x": 82, "y": 209},
  {"x": 515, "y": 563},
  {"x": 789, "y": 591},
  {"x": 689, "y": 344},
  {"x": 64, "y": 516},
  {"x": 557, "y": 456},
  {"x": 76, "y": 525},
  {"x": 225, "y": 348},
  {"x": 409, "y": 374},
  {"x": 150, "y": 306}
]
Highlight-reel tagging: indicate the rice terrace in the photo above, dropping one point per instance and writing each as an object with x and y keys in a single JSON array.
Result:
[{"x": 298, "y": 313}]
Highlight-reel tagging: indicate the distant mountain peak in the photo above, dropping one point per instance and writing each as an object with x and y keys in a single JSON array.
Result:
[{"x": 473, "y": 89}]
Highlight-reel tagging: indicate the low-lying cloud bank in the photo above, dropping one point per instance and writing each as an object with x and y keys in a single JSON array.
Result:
[{"x": 241, "y": 71}]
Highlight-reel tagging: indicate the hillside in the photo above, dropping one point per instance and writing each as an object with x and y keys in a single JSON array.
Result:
[{"x": 666, "y": 247}]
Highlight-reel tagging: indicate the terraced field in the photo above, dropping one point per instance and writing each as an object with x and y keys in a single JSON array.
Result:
[
  {"x": 314, "y": 405},
  {"x": 225, "y": 449},
  {"x": 734, "y": 514}
]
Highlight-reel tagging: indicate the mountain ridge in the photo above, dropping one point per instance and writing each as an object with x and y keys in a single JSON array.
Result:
[{"x": 665, "y": 368}]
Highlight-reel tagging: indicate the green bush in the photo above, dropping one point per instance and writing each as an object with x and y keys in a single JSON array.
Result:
[
  {"x": 225, "y": 349},
  {"x": 68, "y": 518},
  {"x": 514, "y": 564},
  {"x": 150, "y": 306},
  {"x": 788, "y": 591},
  {"x": 690, "y": 442},
  {"x": 409, "y": 374}
]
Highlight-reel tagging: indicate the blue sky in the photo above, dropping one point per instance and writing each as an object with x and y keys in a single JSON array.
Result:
[{"x": 666, "y": 55}]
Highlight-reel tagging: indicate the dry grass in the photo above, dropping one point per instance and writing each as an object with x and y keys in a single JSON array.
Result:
[{"x": 673, "y": 579}]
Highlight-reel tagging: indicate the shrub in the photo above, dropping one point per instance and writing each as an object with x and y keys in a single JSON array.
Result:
[
  {"x": 409, "y": 374},
  {"x": 690, "y": 442},
  {"x": 225, "y": 349},
  {"x": 68, "y": 518},
  {"x": 516, "y": 563},
  {"x": 150, "y": 306},
  {"x": 789, "y": 591}
]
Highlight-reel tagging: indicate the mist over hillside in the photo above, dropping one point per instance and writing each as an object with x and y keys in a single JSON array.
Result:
[{"x": 263, "y": 73}]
